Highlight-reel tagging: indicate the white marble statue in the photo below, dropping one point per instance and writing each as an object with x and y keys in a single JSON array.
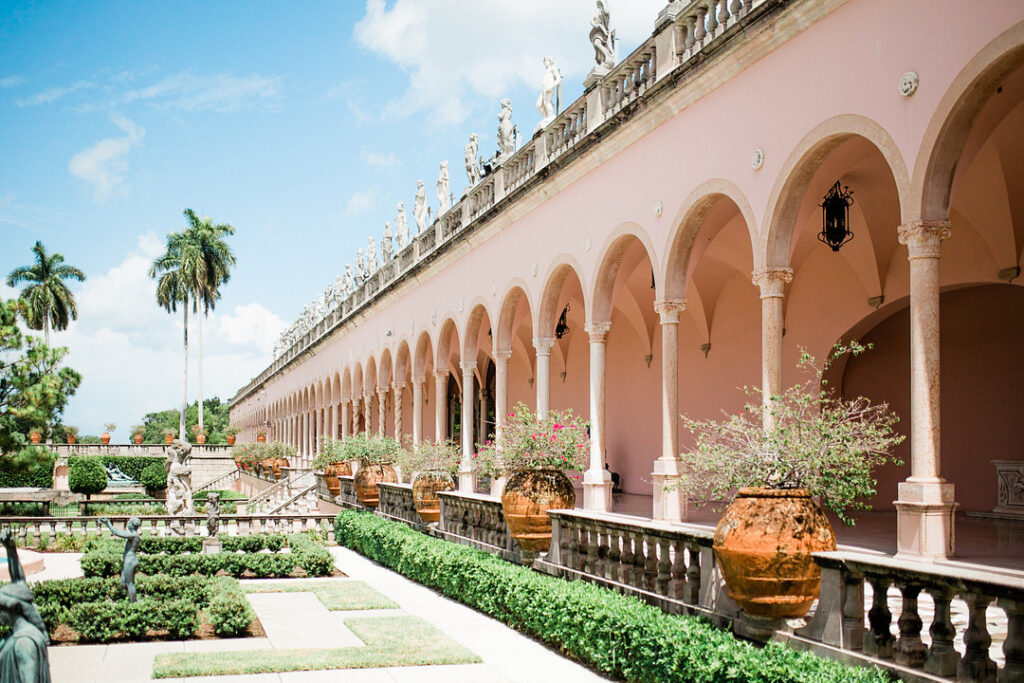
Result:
[
  {"x": 401, "y": 226},
  {"x": 603, "y": 38},
  {"x": 360, "y": 267},
  {"x": 339, "y": 291},
  {"x": 385, "y": 244},
  {"x": 550, "y": 86},
  {"x": 506, "y": 131},
  {"x": 179, "y": 483},
  {"x": 347, "y": 284},
  {"x": 472, "y": 165},
  {"x": 419, "y": 207},
  {"x": 371, "y": 258},
  {"x": 444, "y": 197}
]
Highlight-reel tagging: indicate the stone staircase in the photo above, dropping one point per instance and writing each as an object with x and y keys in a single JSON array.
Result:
[{"x": 293, "y": 495}]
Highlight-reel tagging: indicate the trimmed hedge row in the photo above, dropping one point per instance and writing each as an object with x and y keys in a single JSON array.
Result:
[
  {"x": 39, "y": 475},
  {"x": 614, "y": 634},
  {"x": 97, "y": 608},
  {"x": 132, "y": 465},
  {"x": 181, "y": 557}
]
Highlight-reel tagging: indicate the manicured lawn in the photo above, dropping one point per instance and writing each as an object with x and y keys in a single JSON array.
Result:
[
  {"x": 336, "y": 595},
  {"x": 391, "y": 641}
]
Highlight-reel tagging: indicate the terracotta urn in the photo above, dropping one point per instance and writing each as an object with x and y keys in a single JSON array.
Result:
[
  {"x": 261, "y": 438},
  {"x": 763, "y": 544},
  {"x": 105, "y": 438},
  {"x": 168, "y": 438},
  {"x": 137, "y": 438},
  {"x": 274, "y": 465},
  {"x": 71, "y": 439},
  {"x": 526, "y": 500},
  {"x": 200, "y": 438},
  {"x": 231, "y": 439},
  {"x": 424, "y": 493},
  {"x": 331, "y": 474},
  {"x": 35, "y": 437},
  {"x": 367, "y": 479}
]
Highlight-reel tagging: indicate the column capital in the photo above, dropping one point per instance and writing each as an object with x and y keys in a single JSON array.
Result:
[
  {"x": 924, "y": 238},
  {"x": 468, "y": 366},
  {"x": 772, "y": 281},
  {"x": 502, "y": 355},
  {"x": 543, "y": 345},
  {"x": 441, "y": 375},
  {"x": 418, "y": 381},
  {"x": 382, "y": 391},
  {"x": 599, "y": 332},
  {"x": 398, "y": 386},
  {"x": 669, "y": 310}
]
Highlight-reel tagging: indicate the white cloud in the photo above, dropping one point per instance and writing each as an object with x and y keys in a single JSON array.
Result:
[
  {"x": 103, "y": 164},
  {"x": 51, "y": 95},
  {"x": 219, "y": 92},
  {"x": 361, "y": 202},
  {"x": 251, "y": 324},
  {"x": 452, "y": 48},
  {"x": 8, "y": 82},
  {"x": 380, "y": 160}
]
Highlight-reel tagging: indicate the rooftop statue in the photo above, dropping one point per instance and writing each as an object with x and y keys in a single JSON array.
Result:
[
  {"x": 339, "y": 290},
  {"x": 549, "y": 89},
  {"x": 385, "y": 244},
  {"x": 130, "y": 561},
  {"x": 401, "y": 226},
  {"x": 603, "y": 38},
  {"x": 347, "y": 285},
  {"x": 371, "y": 258},
  {"x": 360, "y": 267},
  {"x": 419, "y": 207},
  {"x": 444, "y": 198},
  {"x": 472, "y": 164},
  {"x": 23, "y": 654},
  {"x": 506, "y": 131}
]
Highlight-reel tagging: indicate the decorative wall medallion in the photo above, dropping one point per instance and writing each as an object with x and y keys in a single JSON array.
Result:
[
  {"x": 757, "y": 161},
  {"x": 908, "y": 83}
]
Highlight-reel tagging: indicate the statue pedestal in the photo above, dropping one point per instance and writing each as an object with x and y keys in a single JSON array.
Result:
[{"x": 212, "y": 545}]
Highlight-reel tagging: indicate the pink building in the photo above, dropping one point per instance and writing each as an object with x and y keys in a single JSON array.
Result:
[{"x": 656, "y": 247}]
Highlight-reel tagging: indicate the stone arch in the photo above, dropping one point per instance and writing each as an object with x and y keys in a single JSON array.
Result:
[
  {"x": 385, "y": 375},
  {"x": 402, "y": 362},
  {"x": 346, "y": 384},
  {"x": 370, "y": 376},
  {"x": 478, "y": 312},
  {"x": 424, "y": 358},
  {"x": 610, "y": 259},
  {"x": 547, "y": 313},
  {"x": 516, "y": 292},
  {"x": 445, "y": 347}
]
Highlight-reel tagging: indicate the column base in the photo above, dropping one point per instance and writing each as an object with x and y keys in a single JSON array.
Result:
[
  {"x": 467, "y": 479},
  {"x": 925, "y": 522},
  {"x": 597, "y": 491},
  {"x": 669, "y": 505}
]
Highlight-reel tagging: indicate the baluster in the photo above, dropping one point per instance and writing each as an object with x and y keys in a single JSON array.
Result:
[
  {"x": 651, "y": 565},
  {"x": 691, "y": 32},
  {"x": 878, "y": 641},
  {"x": 941, "y": 659},
  {"x": 601, "y": 539},
  {"x": 1013, "y": 646},
  {"x": 563, "y": 543},
  {"x": 723, "y": 14},
  {"x": 637, "y": 579},
  {"x": 677, "y": 580},
  {"x": 853, "y": 610},
  {"x": 976, "y": 665},
  {"x": 712, "y": 19},
  {"x": 572, "y": 544},
  {"x": 693, "y": 574},
  {"x": 909, "y": 650},
  {"x": 583, "y": 548},
  {"x": 664, "y": 568},
  {"x": 614, "y": 569},
  {"x": 592, "y": 543},
  {"x": 700, "y": 31},
  {"x": 626, "y": 559}
]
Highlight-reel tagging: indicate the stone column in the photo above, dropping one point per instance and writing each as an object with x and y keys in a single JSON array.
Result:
[
  {"x": 368, "y": 414},
  {"x": 399, "y": 390},
  {"x": 319, "y": 431},
  {"x": 334, "y": 421},
  {"x": 466, "y": 475},
  {"x": 669, "y": 505},
  {"x": 501, "y": 359},
  {"x": 597, "y": 481},
  {"x": 303, "y": 425},
  {"x": 481, "y": 414},
  {"x": 345, "y": 419},
  {"x": 543, "y": 346},
  {"x": 417, "y": 410},
  {"x": 382, "y": 407},
  {"x": 772, "y": 282},
  {"x": 925, "y": 507},
  {"x": 355, "y": 415},
  {"x": 441, "y": 405}
]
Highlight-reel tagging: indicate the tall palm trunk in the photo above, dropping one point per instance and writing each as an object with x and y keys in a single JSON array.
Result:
[
  {"x": 200, "y": 368},
  {"x": 46, "y": 337},
  {"x": 184, "y": 381}
]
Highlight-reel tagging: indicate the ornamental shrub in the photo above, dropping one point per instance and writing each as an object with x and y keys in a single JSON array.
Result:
[
  {"x": 86, "y": 475},
  {"x": 154, "y": 478},
  {"x": 619, "y": 636},
  {"x": 560, "y": 441},
  {"x": 31, "y": 466}
]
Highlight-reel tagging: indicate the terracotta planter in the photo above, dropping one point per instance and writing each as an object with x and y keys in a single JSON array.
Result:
[
  {"x": 200, "y": 438},
  {"x": 261, "y": 438},
  {"x": 424, "y": 494},
  {"x": 274, "y": 465},
  {"x": 367, "y": 479},
  {"x": 525, "y": 502},
  {"x": 231, "y": 439},
  {"x": 71, "y": 439},
  {"x": 137, "y": 438},
  {"x": 763, "y": 544},
  {"x": 331, "y": 474},
  {"x": 168, "y": 438},
  {"x": 35, "y": 437},
  {"x": 105, "y": 438}
]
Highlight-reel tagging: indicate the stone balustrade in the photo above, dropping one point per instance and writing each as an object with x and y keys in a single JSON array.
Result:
[
  {"x": 348, "y": 498},
  {"x": 396, "y": 503},
  {"x": 629, "y": 80},
  {"x": 63, "y": 450},
  {"x": 476, "y": 520},
  {"x": 567, "y": 128}
]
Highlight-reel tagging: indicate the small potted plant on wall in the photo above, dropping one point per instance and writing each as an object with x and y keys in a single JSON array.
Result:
[
  {"x": 231, "y": 434},
  {"x": 35, "y": 436},
  {"x": 199, "y": 433},
  {"x": 535, "y": 454},
  {"x": 432, "y": 467},
  {"x": 375, "y": 456},
  {"x": 817, "y": 444},
  {"x": 261, "y": 434},
  {"x": 275, "y": 455},
  {"x": 169, "y": 435},
  {"x": 138, "y": 434},
  {"x": 107, "y": 428},
  {"x": 70, "y": 434}
]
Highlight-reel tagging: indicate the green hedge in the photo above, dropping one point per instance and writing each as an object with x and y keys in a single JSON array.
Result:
[
  {"x": 98, "y": 610},
  {"x": 616, "y": 635},
  {"x": 132, "y": 465},
  {"x": 37, "y": 475},
  {"x": 181, "y": 556}
]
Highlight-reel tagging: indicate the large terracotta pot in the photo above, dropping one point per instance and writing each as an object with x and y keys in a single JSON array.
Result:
[
  {"x": 35, "y": 437},
  {"x": 105, "y": 438},
  {"x": 231, "y": 439},
  {"x": 525, "y": 502},
  {"x": 331, "y": 474},
  {"x": 261, "y": 438},
  {"x": 424, "y": 493},
  {"x": 200, "y": 438},
  {"x": 274, "y": 465},
  {"x": 367, "y": 479},
  {"x": 137, "y": 438},
  {"x": 168, "y": 438},
  {"x": 763, "y": 544},
  {"x": 71, "y": 439}
]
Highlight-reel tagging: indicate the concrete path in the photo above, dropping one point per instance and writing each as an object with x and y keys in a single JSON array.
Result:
[{"x": 298, "y": 620}]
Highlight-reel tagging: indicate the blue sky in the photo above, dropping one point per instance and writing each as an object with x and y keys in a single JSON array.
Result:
[{"x": 301, "y": 124}]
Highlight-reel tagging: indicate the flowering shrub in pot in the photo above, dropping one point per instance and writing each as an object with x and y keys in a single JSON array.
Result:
[
  {"x": 432, "y": 467},
  {"x": 376, "y": 456}
]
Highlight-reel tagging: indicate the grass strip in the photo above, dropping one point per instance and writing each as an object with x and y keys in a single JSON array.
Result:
[
  {"x": 336, "y": 595},
  {"x": 393, "y": 641}
]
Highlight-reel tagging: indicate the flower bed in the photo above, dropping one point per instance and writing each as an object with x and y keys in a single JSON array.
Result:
[
  {"x": 616, "y": 635},
  {"x": 96, "y": 610},
  {"x": 242, "y": 554}
]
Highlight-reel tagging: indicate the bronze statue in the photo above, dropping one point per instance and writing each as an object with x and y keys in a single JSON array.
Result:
[
  {"x": 131, "y": 559},
  {"x": 23, "y": 657},
  {"x": 213, "y": 514}
]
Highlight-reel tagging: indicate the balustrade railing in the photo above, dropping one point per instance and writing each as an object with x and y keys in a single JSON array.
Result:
[
  {"x": 520, "y": 166},
  {"x": 396, "y": 503},
  {"x": 481, "y": 198},
  {"x": 476, "y": 520},
  {"x": 347, "y": 498},
  {"x": 629, "y": 80},
  {"x": 567, "y": 128}
]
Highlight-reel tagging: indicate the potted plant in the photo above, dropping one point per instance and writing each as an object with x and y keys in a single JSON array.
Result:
[
  {"x": 274, "y": 456},
  {"x": 199, "y": 433},
  {"x": 169, "y": 435},
  {"x": 70, "y": 434},
  {"x": 818, "y": 444},
  {"x": 536, "y": 454},
  {"x": 433, "y": 467},
  {"x": 333, "y": 461},
  {"x": 35, "y": 436},
  {"x": 261, "y": 434},
  {"x": 231, "y": 433},
  {"x": 105, "y": 436},
  {"x": 138, "y": 434},
  {"x": 375, "y": 455}
]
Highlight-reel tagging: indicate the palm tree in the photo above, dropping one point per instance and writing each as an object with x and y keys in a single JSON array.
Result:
[
  {"x": 49, "y": 301},
  {"x": 172, "y": 290}
]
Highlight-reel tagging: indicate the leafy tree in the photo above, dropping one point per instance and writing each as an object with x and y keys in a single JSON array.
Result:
[
  {"x": 34, "y": 389},
  {"x": 48, "y": 300},
  {"x": 217, "y": 414},
  {"x": 87, "y": 475},
  {"x": 154, "y": 478}
]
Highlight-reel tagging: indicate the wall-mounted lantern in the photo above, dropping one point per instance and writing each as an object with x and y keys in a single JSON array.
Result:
[
  {"x": 835, "y": 217},
  {"x": 562, "y": 328}
]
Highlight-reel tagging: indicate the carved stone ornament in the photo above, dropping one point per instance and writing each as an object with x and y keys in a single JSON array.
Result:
[{"x": 908, "y": 83}]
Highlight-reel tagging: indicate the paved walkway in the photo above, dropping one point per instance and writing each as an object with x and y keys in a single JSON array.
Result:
[{"x": 300, "y": 620}]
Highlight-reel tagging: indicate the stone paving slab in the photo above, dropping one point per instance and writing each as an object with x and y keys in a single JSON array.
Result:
[{"x": 300, "y": 620}]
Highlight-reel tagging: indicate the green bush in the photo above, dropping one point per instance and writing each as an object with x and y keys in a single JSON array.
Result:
[
  {"x": 32, "y": 466},
  {"x": 86, "y": 475},
  {"x": 619, "y": 636},
  {"x": 131, "y": 465},
  {"x": 154, "y": 478}
]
